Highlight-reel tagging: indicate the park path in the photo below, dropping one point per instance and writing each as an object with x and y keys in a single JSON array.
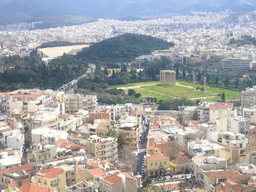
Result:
[
  {"x": 134, "y": 87},
  {"x": 184, "y": 86}
]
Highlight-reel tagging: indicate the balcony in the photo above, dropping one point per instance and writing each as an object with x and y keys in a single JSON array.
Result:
[{"x": 54, "y": 184}]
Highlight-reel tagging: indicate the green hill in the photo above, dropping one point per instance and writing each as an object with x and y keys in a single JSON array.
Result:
[{"x": 124, "y": 48}]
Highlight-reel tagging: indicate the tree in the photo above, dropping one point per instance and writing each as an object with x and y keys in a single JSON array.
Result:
[
  {"x": 223, "y": 97},
  {"x": 128, "y": 159},
  {"x": 106, "y": 71},
  {"x": 226, "y": 82},
  {"x": 184, "y": 72},
  {"x": 237, "y": 82},
  {"x": 216, "y": 80},
  {"x": 199, "y": 76},
  {"x": 249, "y": 83},
  {"x": 245, "y": 181},
  {"x": 171, "y": 149},
  {"x": 137, "y": 95},
  {"x": 148, "y": 181},
  {"x": 69, "y": 131},
  {"x": 113, "y": 74},
  {"x": 131, "y": 92},
  {"x": 177, "y": 72},
  {"x": 120, "y": 140}
]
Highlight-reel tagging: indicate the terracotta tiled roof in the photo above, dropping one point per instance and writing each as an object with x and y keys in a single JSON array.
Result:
[
  {"x": 27, "y": 95},
  {"x": 225, "y": 174},
  {"x": 64, "y": 116},
  {"x": 29, "y": 187},
  {"x": 181, "y": 160},
  {"x": 79, "y": 169},
  {"x": 103, "y": 126},
  {"x": 226, "y": 186},
  {"x": 156, "y": 157},
  {"x": 112, "y": 178},
  {"x": 12, "y": 184},
  {"x": 26, "y": 167},
  {"x": 93, "y": 164},
  {"x": 4, "y": 93},
  {"x": 128, "y": 175},
  {"x": 72, "y": 147},
  {"x": 221, "y": 105},
  {"x": 62, "y": 140},
  {"x": 151, "y": 148},
  {"x": 253, "y": 130},
  {"x": 154, "y": 126},
  {"x": 233, "y": 147},
  {"x": 180, "y": 154},
  {"x": 52, "y": 173},
  {"x": 97, "y": 172}
]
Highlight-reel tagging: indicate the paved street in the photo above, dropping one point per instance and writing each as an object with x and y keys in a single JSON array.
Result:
[{"x": 142, "y": 150}]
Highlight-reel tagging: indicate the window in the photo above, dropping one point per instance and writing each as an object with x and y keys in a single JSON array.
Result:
[
  {"x": 155, "y": 164},
  {"x": 222, "y": 180},
  {"x": 165, "y": 163},
  {"x": 151, "y": 164}
]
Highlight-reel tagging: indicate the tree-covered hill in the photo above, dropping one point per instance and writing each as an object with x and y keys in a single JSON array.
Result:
[{"x": 124, "y": 48}]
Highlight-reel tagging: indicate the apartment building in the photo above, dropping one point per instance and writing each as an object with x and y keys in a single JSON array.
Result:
[
  {"x": 213, "y": 178},
  {"x": 53, "y": 178},
  {"x": 132, "y": 134},
  {"x": 228, "y": 139},
  {"x": 252, "y": 137},
  {"x": 123, "y": 182},
  {"x": 240, "y": 125},
  {"x": 200, "y": 164},
  {"x": 90, "y": 102},
  {"x": 249, "y": 97},
  {"x": 24, "y": 174},
  {"x": 221, "y": 113},
  {"x": 236, "y": 64},
  {"x": 74, "y": 102},
  {"x": 157, "y": 165},
  {"x": 25, "y": 102},
  {"x": 104, "y": 148},
  {"x": 203, "y": 110}
]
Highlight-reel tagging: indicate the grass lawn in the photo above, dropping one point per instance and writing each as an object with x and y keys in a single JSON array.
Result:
[
  {"x": 162, "y": 92},
  {"x": 134, "y": 84}
]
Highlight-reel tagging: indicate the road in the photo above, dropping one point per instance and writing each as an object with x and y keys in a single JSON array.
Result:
[
  {"x": 143, "y": 146},
  {"x": 72, "y": 84}
]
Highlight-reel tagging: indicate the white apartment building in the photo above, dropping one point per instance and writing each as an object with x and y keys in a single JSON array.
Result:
[
  {"x": 203, "y": 110},
  {"x": 74, "y": 102},
  {"x": 202, "y": 163},
  {"x": 15, "y": 140},
  {"x": 90, "y": 102},
  {"x": 47, "y": 136},
  {"x": 237, "y": 64},
  {"x": 240, "y": 125},
  {"x": 249, "y": 97},
  {"x": 104, "y": 148}
]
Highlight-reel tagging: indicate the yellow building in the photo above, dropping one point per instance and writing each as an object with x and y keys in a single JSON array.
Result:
[
  {"x": 132, "y": 134},
  {"x": 54, "y": 178},
  {"x": 180, "y": 165},
  {"x": 58, "y": 96},
  {"x": 231, "y": 155},
  {"x": 157, "y": 165},
  {"x": 104, "y": 148},
  {"x": 153, "y": 150}
]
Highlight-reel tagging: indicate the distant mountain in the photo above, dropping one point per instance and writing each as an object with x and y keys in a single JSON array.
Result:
[
  {"x": 123, "y": 48},
  {"x": 22, "y": 10}
]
